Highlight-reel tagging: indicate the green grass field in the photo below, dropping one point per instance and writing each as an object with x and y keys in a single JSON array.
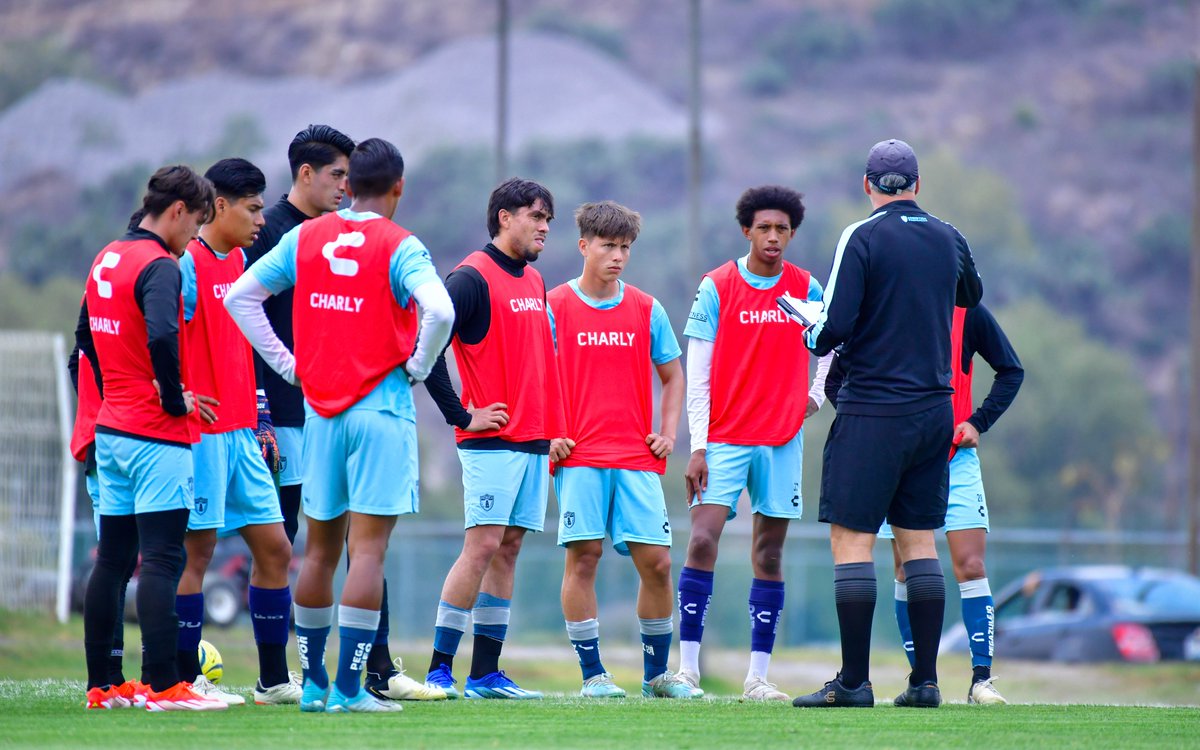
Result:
[{"x": 41, "y": 666}]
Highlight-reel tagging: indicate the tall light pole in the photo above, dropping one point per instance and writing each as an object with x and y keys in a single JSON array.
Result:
[
  {"x": 502, "y": 29},
  {"x": 695, "y": 152},
  {"x": 1194, "y": 329}
]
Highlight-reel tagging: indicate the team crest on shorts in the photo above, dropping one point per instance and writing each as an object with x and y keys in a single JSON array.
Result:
[
  {"x": 201, "y": 505},
  {"x": 569, "y": 518},
  {"x": 486, "y": 501}
]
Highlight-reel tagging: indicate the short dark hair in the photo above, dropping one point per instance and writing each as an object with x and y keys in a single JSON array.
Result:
[
  {"x": 375, "y": 165},
  {"x": 512, "y": 194},
  {"x": 607, "y": 219},
  {"x": 770, "y": 198},
  {"x": 318, "y": 146},
  {"x": 177, "y": 183},
  {"x": 236, "y": 178}
]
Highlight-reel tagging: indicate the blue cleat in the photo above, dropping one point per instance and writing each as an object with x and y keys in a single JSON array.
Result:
[
  {"x": 497, "y": 685},
  {"x": 362, "y": 703},
  {"x": 669, "y": 685},
  {"x": 441, "y": 678},
  {"x": 312, "y": 698}
]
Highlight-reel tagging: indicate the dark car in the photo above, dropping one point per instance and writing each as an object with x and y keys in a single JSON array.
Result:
[{"x": 1095, "y": 613}]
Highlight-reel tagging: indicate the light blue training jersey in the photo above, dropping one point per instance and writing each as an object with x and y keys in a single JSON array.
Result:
[{"x": 410, "y": 267}]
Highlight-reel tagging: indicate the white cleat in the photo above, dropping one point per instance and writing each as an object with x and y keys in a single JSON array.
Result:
[
  {"x": 284, "y": 694},
  {"x": 984, "y": 693},
  {"x": 690, "y": 678},
  {"x": 401, "y": 687},
  {"x": 203, "y": 686},
  {"x": 758, "y": 689}
]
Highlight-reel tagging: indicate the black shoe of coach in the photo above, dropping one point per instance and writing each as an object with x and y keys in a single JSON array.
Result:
[
  {"x": 837, "y": 695},
  {"x": 925, "y": 695}
]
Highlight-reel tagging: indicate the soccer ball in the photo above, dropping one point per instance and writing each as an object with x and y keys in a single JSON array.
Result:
[{"x": 211, "y": 665}]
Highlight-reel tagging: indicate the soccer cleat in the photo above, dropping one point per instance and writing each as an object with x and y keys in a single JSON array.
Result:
[
  {"x": 362, "y": 703},
  {"x": 204, "y": 686},
  {"x": 984, "y": 693},
  {"x": 285, "y": 693},
  {"x": 400, "y": 687},
  {"x": 497, "y": 685},
  {"x": 601, "y": 686},
  {"x": 312, "y": 697},
  {"x": 668, "y": 685},
  {"x": 106, "y": 698},
  {"x": 925, "y": 695},
  {"x": 837, "y": 695},
  {"x": 181, "y": 697},
  {"x": 135, "y": 692},
  {"x": 689, "y": 677},
  {"x": 442, "y": 679},
  {"x": 758, "y": 689}
]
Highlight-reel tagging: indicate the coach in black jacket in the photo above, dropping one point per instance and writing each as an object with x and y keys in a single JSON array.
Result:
[{"x": 897, "y": 276}]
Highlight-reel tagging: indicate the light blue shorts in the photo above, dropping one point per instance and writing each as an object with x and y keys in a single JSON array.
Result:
[
  {"x": 142, "y": 476},
  {"x": 93, "y": 489},
  {"x": 505, "y": 488},
  {"x": 626, "y": 505},
  {"x": 770, "y": 473},
  {"x": 362, "y": 460},
  {"x": 967, "y": 504},
  {"x": 291, "y": 454},
  {"x": 233, "y": 485}
]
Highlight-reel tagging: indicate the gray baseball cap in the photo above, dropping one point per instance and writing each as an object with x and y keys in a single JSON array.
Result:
[{"x": 892, "y": 156}]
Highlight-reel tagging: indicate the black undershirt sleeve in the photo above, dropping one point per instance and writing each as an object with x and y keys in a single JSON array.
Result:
[
  {"x": 157, "y": 293},
  {"x": 472, "y": 317},
  {"x": 85, "y": 344},
  {"x": 982, "y": 334},
  {"x": 970, "y": 286}
]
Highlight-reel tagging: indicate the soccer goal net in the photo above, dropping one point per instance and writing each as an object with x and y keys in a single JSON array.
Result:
[{"x": 37, "y": 473}]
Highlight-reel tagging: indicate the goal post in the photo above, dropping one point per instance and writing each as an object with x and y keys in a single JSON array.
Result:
[{"x": 37, "y": 473}]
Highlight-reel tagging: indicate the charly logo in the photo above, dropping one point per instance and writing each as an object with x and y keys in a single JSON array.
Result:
[
  {"x": 569, "y": 518},
  {"x": 486, "y": 501},
  {"x": 201, "y": 505}
]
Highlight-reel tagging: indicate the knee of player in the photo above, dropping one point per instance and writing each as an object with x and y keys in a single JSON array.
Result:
[
  {"x": 970, "y": 568},
  {"x": 702, "y": 548},
  {"x": 274, "y": 560},
  {"x": 768, "y": 561},
  {"x": 658, "y": 570},
  {"x": 583, "y": 558}
]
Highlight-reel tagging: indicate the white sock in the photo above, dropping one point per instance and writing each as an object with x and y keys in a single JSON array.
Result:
[
  {"x": 760, "y": 662},
  {"x": 689, "y": 656}
]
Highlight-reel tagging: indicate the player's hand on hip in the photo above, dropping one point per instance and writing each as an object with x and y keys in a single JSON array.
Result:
[
  {"x": 660, "y": 445},
  {"x": 204, "y": 405},
  {"x": 560, "y": 448},
  {"x": 696, "y": 476},
  {"x": 491, "y": 417},
  {"x": 966, "y": 436}
]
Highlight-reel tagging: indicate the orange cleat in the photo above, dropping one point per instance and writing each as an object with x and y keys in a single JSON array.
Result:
[
  {"x": 106, "y": 698},
  {"x": 134, "y": 692},
  {"x": 181, "y": 697}
]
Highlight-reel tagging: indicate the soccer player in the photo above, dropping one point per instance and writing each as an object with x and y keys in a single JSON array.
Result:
[
  {"x": 234, "y": 490},
  {"x": 508, "y": 424},
  {"x": 129, "y": 329},
  {"x": 610, "y": 336},
  {"x": 747, "y": 368},
  {"x": 975, "y": 330},
  {"x": 358, "y": 278},
  {"x": 897, "y": 276}
]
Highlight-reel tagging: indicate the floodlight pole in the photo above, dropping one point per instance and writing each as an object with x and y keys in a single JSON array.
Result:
[
  {"x": 695, "y": 156},
  {"x": 1194, "y": 329},
  {"x": 502, "y": 29}
]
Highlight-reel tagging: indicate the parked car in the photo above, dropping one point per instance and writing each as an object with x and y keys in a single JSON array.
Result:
[
  {"x": 226, "y": 583},
  {"x": 1094, "y": 613}
]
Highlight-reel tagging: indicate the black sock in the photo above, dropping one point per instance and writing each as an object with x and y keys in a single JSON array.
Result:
[
  {"x": 379, "y": 661},
  {"x": 272, "y": 664},
  {"x": 926, "y": 609},
  {"x": 289, "y": 505},
  {"x": 116, "y": 660},
  {"x": 161, "y": 535},
  {"x": 980, "y": 673},
  {"x": 440, "y": 658},
  {"x": 117, "y": 548},
  {"x": 485, "y": 658},
  {"x": 854, "y": 590}
]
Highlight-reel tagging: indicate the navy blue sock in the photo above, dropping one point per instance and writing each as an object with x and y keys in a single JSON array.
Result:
[
  {"x": 695, "y": 592},
  {"x": 766, "y": 605},
  {"x": 356, "y": 630},
  {"x": 979, "y": 617},
  {"x": 312, "y": 634},
  {"x": 585, "y": 638},
  {"x": 190, "y": 609},
  {"x": 269, "y": 611},
  {"x": 903, "y": 623},
  {"x": 380, "y": 663},
  {"x": 451, "y": 623},
  {"x": 656, "y": 645}
]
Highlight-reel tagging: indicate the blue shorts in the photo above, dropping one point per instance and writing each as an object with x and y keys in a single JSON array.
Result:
[
  {"x": 770, "y": 473},
  {"x": 967, "y": 506},
  {"x": 362, "y": 460},
  {"x": 233, "y": 485},
  {"x": 93, "y": 489},
  {"x": 142, "y": 476},
  {"x": 291, "y": 454},
  {"x": 505, "y": 488},
  {"x": 626, "y": 505}
]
